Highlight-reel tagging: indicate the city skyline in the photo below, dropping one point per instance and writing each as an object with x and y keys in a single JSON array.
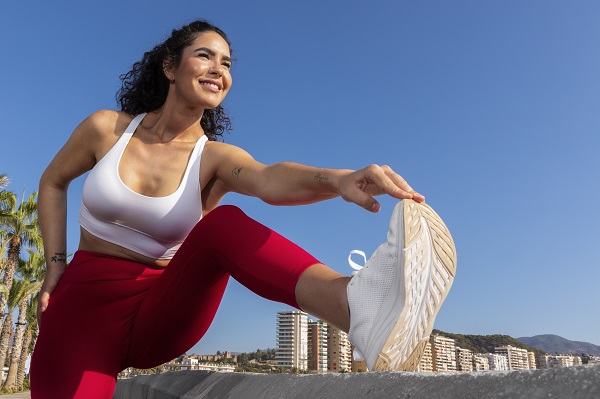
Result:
[
  {"x": 306, "y": 345},
  {"x": 487, "y": 108}
]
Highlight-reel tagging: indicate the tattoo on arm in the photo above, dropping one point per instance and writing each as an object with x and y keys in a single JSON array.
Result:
[
  {"x": 319, "y": 177},
  {"x": 60, "y": 258},
  {"x": 236, "y": 172}
]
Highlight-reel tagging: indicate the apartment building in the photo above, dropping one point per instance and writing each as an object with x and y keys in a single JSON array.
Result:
[
  {"x": 517, "y": 357},
  {"x": 426, "y": 363},
  {"x": 339, "y": 350},
  {"x": 550, "y": 361},
  {"x": 292, "y": 340},
  {"x": 358, "y": 365},
  {"x": 189, "y": 363},
  {"x": 497, "y": 361},
  {"x": 317, "y": 346},
  {"x": 531, "y": 358},
  {"x": 464, "y": 359},
  {"x": 480, "y": 362},
  {"x": 443, "y": 353}
]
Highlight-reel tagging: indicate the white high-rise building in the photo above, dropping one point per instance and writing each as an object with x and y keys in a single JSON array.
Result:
[
  {"x": 518, "y": 359},
  {"x": 339, "y": 350},
  {"x": 480, "y": 362},
  {"x": 497, "y": 361},
  {"x": 317, "y": 346},
  {"x": 426, "y": 363},
  {"x": 292, "y": 340},
  {"x": 464, "y": 359},
  {"x": 443, "y": 353}
]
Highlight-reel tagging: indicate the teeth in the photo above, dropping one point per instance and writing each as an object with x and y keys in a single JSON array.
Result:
[{"x": 210, "y": 84}]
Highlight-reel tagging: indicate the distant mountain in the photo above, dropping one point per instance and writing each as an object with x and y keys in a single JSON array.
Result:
[{"x": 554, "y": 344}]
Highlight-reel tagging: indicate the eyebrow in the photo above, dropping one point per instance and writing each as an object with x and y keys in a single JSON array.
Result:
[{"x": 211, "y": 52}]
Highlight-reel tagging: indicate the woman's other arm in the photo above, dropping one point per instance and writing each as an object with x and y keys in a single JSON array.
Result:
[{"x": 76, "y": 157}]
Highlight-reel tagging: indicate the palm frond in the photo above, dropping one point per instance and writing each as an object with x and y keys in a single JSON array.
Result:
[{"x": 4, "y": 180}]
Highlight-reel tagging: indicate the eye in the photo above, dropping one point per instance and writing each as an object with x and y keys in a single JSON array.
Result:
[
  {"x": 203, "y": 55},
  {"x": 227, "y": 65}
]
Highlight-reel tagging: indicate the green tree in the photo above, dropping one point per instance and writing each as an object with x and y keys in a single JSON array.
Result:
[
  {"x": 3, "y": 233},
  {"x": 3, "y": 245},
  {"x": 243, "y": 359},
  {"x": 22, "y": 230},
  {"x": 7, "y": 329},
  {"x": 23, "y": 290},
  {"x": 29, "y": 341},
  {"x": 3, "y": 181},
  {"x": 20, "y": 226}
]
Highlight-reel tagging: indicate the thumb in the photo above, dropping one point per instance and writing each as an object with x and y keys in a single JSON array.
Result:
[
  {"x": 43, "y": 301},
  {"x": 365, "y": 201}
]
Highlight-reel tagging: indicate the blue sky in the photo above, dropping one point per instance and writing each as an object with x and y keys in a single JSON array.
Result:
[{"x": 490, "y": 109}]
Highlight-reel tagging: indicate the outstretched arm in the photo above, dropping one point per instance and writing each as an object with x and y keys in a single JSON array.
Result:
[{"x": 288, "y": 183}]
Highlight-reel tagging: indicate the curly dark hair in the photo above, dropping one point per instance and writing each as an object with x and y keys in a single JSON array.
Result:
[{"x": 144, "y": 88}]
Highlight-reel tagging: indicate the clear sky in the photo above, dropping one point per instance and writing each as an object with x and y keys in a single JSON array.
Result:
[{"x": 490, "y": 109}]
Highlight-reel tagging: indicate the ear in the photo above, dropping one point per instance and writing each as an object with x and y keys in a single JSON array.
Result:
[{"x": 168, "y": 70}]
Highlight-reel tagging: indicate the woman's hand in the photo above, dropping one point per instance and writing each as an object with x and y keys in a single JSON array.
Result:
[
  {"x": 50, "y": 283},
  {"x": 360, "y": 186}
]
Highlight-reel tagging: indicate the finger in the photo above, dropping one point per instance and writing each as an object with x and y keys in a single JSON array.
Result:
[
  {"x": 43, "y": 302},
  {"x": 363, "y": 200},
  {"x": 388, "y": 182},
  {"x": 404, "y": 189}
]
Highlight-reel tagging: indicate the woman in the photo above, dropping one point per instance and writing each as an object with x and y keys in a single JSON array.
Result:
[{"x": 156, "y": 252}]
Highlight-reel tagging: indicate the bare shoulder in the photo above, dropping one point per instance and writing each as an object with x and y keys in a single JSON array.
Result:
[
  {"x": 88, "y": 143},
  {"x": 105, "y": 123},
  {"x": 101, "y": 130}
]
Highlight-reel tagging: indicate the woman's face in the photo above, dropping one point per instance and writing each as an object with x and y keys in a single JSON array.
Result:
[{"x": 203, "y": 76}]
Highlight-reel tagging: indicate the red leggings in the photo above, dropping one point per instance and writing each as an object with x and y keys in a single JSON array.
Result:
[{"x": 107, "y": 313}]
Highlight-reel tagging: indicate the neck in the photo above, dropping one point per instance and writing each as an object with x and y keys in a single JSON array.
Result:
[{"x": 171, "y": 123}]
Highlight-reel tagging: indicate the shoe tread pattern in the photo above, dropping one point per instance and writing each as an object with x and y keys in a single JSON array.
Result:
[{"x": 430, "y": 266}]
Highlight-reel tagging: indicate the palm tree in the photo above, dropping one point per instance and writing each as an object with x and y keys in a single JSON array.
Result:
[
  {"x": 32, "y": 272},
  {"x": 29, "y": 340},
  {"x": 22, "y": 291},
  {"x": 4, "y": 180},
  {"x": 3, "y": 241},
  {"x": 3, "y": 244},
  {"x": 4, "y": 200},
  {"x": 22, "y": 229},
  {"x": 7, "y": 330}
]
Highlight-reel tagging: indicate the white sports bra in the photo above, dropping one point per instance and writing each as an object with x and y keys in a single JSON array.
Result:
[{"x": 152, "y": 226}]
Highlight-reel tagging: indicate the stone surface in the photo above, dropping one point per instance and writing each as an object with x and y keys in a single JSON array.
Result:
[{"x": 569, "y": 383}]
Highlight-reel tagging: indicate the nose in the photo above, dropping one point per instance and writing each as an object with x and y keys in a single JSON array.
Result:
[{"x": 216, "y": 69}]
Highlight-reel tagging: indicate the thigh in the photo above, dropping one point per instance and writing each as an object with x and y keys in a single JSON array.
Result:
[
  {"x": 84, "y": 335},
  {"x": 180, "y": 307},
  {"x": 176, "y": 312}
]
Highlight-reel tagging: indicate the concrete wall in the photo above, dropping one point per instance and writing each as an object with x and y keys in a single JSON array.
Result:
[{"x": 569, "y": 383}]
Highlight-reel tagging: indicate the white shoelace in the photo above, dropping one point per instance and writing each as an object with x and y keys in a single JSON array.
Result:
[{"x": 355, "y": 265}]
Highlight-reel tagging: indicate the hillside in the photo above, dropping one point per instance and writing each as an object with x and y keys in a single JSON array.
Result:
[
  {"x": 487, "y": 343},
  {"x": 554, "y": 344}
]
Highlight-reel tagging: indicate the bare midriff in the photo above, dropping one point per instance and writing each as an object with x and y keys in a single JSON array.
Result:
[{"x": 88, "y": 242}]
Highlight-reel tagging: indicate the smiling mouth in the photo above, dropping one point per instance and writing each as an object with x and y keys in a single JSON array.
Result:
[{"x": 211, "y": 85}]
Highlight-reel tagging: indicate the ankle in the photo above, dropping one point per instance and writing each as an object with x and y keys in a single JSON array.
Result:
[{"x": 321, "y": 292}]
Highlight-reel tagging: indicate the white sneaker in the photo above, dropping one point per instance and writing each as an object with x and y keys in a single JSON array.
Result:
[{"x": 394, "y": 299}]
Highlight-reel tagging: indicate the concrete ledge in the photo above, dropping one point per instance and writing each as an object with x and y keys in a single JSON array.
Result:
[{"x": 572, "y": 383}]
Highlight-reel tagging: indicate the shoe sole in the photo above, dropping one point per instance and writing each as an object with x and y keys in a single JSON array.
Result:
[{"x": 429, "y": 269}]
